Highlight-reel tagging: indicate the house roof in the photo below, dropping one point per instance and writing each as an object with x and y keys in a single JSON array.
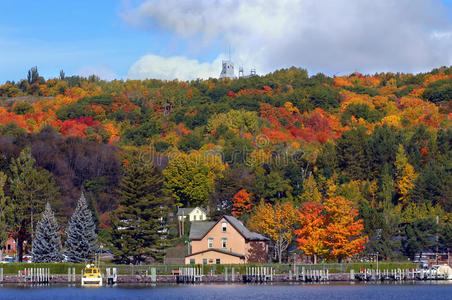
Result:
[
  {"x": 249, "y": 235},
  {"x": 199, "y": 229},
  {"x": 220, "y": 251},
  {"x": 185, "y": 211}
]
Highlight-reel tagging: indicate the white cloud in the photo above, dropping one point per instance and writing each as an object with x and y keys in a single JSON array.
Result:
[
  {"x": 327, "y": 36},
  {"x": 169, "y": 68},
  {"x": 103, "y": 72}
]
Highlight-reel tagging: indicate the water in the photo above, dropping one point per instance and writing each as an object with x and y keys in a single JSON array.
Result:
[{"x": 235, "y": 291}]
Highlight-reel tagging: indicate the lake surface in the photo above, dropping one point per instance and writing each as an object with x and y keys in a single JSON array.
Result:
[{"x": 436, "y": 290}]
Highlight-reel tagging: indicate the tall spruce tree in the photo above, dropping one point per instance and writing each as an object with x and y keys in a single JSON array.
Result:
[
  {"x": 81, "y": 235},
  {"x": 47, "y": 242},
  {"x": 3, "y": 214},
  {"x": 30, "y": 189},
  {"x": 139, "y": 224}
]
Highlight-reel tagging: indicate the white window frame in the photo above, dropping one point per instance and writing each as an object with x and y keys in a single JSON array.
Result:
[
  {"x": 210, "y": 243},
  {"x": 224, "y": 226},
  {"x": 224, "y": 243}
]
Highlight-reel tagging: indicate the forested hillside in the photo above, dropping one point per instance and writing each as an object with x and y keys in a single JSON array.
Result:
[{"x": 382, "y": 143}]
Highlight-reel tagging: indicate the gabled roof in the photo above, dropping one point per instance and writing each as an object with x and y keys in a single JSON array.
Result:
[
  {"x": 185, "y": 211},
  {"x": 199, "y": 229},
  {"x": 249, "y": 235},
  {"x": 219, "y": 250}
]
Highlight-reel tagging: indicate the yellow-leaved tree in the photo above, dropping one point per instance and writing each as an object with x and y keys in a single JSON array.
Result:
[
  {"x": 405, "y": 176},
  {"x": 277, "y": 222},
  {"x": 310, "y": 191}
]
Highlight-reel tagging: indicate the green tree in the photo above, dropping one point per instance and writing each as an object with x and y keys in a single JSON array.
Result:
[
  {"x": 418, "y": 236},
  {"x": 139, "y": 225},
  {"x": 33, "y": 75},
  {"x": 31, "y": 189},
  {"x": 3, "y": 213},
  {"x": 191, "y": 178},
  {"x": 271, "y": 186},
  {"x": 352, "y": 155},
  {"x": 22, "y": 108}
]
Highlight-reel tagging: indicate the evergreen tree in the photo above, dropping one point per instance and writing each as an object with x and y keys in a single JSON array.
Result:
[
  {"x": 139, "y": 224},
  {"x": 3, "y": 214},
  {"x": 30, "y": 188},
  {"x": 81, "y": 235},
  {"x": 47, "y": 243}
]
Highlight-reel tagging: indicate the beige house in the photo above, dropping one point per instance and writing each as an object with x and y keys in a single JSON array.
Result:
[
  {"x": 226, "y": 241},
  {"x": 193, "y": 214}
]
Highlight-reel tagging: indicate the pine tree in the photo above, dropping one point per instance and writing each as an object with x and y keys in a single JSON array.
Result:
[
  {"x": 3, "y": 214},
  {"x": 81, "y": 235},
  {"x": 30, "y": 189},
  {"x": 139, "y": 224},
  {"x": 47, "y": 243}
]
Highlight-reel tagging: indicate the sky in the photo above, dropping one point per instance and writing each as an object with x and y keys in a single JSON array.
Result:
[{"x": 187, "y": 39}]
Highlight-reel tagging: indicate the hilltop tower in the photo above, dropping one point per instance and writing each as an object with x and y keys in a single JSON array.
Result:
[{"x": 228, "y": 69}]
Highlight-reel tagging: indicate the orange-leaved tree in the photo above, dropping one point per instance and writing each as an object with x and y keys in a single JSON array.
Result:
[
  {"x": 311, "y": 234},
  {"x": 242, "y": 203},
  {"x": 331, "y": 229},
  {"x": 277, "y": 222},
  {"x": 344, "y": 229}
]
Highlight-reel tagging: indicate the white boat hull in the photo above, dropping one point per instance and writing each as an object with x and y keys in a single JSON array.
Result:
[{"x": 91, "y": 281}]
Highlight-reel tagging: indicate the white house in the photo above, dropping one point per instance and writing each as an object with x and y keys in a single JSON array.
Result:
[{"x": 193, "y": 214}]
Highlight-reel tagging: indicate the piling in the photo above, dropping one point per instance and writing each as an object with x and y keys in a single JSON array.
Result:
[
  {"x": 232, "y": 274},
  {"x": 153, "y": 274}
]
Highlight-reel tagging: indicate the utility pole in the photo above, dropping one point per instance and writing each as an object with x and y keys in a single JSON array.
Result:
[{"x": 437, "y": 239}]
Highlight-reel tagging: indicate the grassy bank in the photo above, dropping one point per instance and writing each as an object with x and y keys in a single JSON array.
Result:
[{"x": 62, "y": 268}]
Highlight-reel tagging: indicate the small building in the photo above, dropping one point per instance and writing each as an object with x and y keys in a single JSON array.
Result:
[
  {"x": 227, "y": 70},
  {"x": 193, "y": 214},
  {"x": 226, "y": 241},
  {"x": 10, "y": 248}
]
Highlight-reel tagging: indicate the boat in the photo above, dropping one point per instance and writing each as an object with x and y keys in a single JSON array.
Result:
[
  {"x": 91, "y": 276},
  {"x": 442, "y": 271}
]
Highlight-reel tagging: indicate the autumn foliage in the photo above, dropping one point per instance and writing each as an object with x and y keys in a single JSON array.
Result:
[
  {"x": 330, "y": 230},
  {"x": 242, "y": 203},
  {"x": 277, "y": 222}
]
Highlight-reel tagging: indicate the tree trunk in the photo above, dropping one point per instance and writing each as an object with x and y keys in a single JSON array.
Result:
[
  {"x": 20, "y": 249},
  {"x": 315, "y": 259}
]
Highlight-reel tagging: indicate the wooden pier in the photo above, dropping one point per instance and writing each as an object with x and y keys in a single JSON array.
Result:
[
  {"x": 35, "y": 275},
  {"x": 189, "y": 275},
  {"x": 258, "y": 274}
]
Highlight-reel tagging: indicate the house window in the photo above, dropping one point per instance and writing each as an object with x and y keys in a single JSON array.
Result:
[
  {"x": 224, "y": 243},
  {"x": 204, "y": 261},
  {"x": 223, "y": 225},
  {"x": 200, "y": 217},
  {"x": 218, "y": 261},
  {"x": 194, "y": 218},
  {"x": 210, "y": 242},
  {"x": 9, "y": 247},
  {"x": 210, "y": 260},
  {"x": 192, "y": 261}
]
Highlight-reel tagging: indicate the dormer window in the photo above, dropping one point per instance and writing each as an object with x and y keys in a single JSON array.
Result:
[{"x": 224, "y": 226}]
